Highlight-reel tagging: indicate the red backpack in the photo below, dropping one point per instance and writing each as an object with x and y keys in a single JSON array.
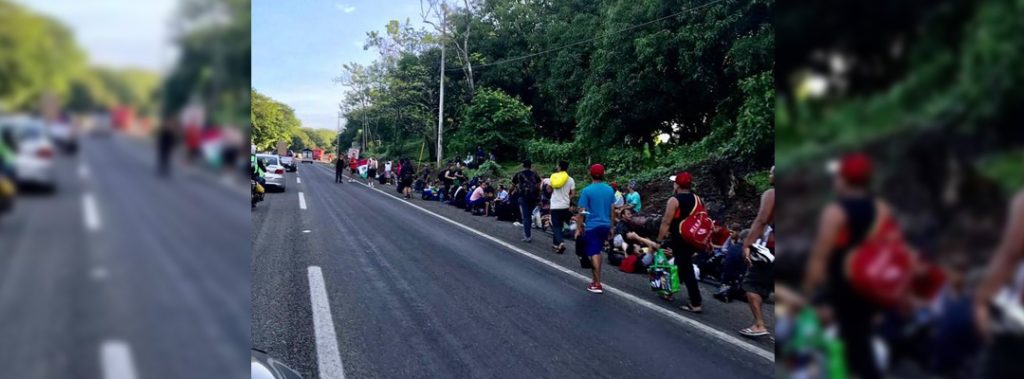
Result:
[
  {"x": 696, "y": 228},
  {"x": 880, "y": 268}
]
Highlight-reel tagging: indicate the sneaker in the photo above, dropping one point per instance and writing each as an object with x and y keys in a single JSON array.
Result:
[
  {"x": 517, "y": 223},
  {"x": 526, "y": 239},
  {"x": 595, "y": 288}
]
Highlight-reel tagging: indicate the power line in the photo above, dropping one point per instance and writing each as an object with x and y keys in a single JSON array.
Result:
[{"x": 519, "y": 58}]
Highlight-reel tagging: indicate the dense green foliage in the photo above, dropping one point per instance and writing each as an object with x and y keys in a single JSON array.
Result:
[
  {"x": 213, "y": 68},
  {"x": 958, "y": 64},
  {"x": 271, "y": 122},
  {"x": 637, "y": 83}
]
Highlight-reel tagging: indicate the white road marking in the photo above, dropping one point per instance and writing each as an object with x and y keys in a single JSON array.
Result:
[
  {"x": 714, "y": 333},
  {"x": 116, "y": 360},
  {"x": 297, "y": 180},
  {"x": 90, "y": 213},
  {"x": 306, "y": 231},
  {"x": 327, "y": 355},
  {"x": 302, "y": 201}
]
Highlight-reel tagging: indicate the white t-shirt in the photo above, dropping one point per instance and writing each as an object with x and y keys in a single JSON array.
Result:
[{"x": 560, "y": 196}]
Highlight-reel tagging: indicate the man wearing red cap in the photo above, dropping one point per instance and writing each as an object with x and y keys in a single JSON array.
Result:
[
  {"x": 679, "y": 207},
  {"x": 598, "y": 220},
  {"x": 844, "y": 224}
]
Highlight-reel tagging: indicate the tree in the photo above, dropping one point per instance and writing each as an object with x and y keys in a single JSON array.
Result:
[
  {"x": 271, "y": 121},
  {"x": 39, "y": 57},
  {"x": 496, "y": 122}
]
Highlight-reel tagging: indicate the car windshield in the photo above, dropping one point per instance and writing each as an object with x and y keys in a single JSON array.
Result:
[{"x": 269, "y": 160}]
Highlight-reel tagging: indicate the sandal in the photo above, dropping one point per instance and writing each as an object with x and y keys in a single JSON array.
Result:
[
  {"x": 690, "y": 309},
  {"x": 560, "y": 249},
  {"x": 749, "y": 332}
]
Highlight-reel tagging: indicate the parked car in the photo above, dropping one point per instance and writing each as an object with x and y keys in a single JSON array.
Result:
[
  {"x": 34, "y": 161},
  {"x": 64, "y": 136},
  {"x": 288, "y": 163},
  {"x": 275, "y": 171}
]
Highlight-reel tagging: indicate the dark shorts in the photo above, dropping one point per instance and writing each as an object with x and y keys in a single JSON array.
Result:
[
  {"x": 594, "y": 240},
  {"x": 759, "y": 279}
]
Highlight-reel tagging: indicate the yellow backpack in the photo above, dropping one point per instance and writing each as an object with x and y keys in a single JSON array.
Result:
[{"x": 559, "y": 179}]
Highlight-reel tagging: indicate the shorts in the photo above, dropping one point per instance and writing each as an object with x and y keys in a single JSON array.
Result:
[
  {"x": 759, "y": 279},
  {"x": 594, "y": 240}
]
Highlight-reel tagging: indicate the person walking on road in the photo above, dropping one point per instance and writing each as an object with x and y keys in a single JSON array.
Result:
[
  {"x": 371, "y": 171},
  {"x": 526, "y": 185},
  {"x": 562, "y": 189},
  {"x": 678, "y": 208},
  {"x": 759, "y": 282},
  {"x": 596, "y": 214},
  {"x": 339, "y": 168},
  {"x": 405, "y": 175},
  {"x": 165, "y": 146}
]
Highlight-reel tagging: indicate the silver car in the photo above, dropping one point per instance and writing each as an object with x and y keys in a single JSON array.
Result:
[
  {"x": 275, "y": 171},
  {"x": 34, "y": 162}
]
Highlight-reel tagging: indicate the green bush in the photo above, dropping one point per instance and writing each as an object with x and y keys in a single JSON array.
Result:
[{"x": 496, "y": 122}]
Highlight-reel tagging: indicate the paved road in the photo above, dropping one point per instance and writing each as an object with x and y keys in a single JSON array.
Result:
[
  {"x": 120, "y": 274},
  {"x": 348, "y": 279}
]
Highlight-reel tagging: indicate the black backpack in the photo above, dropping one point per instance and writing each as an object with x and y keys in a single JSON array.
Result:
[{"x": 527, "y": 185}]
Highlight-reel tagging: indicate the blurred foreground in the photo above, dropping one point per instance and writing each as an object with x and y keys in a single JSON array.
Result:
[
  {"x": 124, "y": 252},
  {"x": 911, "y": 109}
]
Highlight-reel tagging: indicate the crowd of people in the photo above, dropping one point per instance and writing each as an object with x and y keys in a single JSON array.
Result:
[{"x": 600, "y": 218}]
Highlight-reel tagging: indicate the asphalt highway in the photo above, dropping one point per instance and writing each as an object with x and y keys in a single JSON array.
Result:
[{"x": 349, "y": 281}]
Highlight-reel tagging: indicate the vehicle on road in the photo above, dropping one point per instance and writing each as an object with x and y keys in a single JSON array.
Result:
[
  {"x": 275, "y": 171},
  {"x": 64, "y": 136},
  {"x": 255, "y": 194},
  {"x": 34, "y": 161},
  {"x": 289, "y": 163},
  {"x": 307, "y": 156},
  {"x": 263, "y": 366}
]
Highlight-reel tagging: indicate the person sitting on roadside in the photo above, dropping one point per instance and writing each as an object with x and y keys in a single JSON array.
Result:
[
  {"x": 633, "y": 197},
  {"x": 459, "y": 197},
  {"x": 620, "y": 201},
  {"x": 477, "y": 200},
  {"x": 733, "y": 267}
]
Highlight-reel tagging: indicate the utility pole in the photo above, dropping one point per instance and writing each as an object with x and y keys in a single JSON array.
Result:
[{"x": 440, "y": 107}]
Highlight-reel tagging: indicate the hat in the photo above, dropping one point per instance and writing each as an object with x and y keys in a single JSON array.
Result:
[
  {"x": 683, "y": 179},
  {"x": 615, "y": 186},
  {"x": 854, "y": 168},
  {"x": 597, "y": 170}
]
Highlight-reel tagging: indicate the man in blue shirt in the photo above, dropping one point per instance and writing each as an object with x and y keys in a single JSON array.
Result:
[{"x": 597, "y": 218}]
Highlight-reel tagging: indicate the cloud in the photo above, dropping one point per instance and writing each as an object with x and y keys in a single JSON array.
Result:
[{"x": 344, "y": 8}]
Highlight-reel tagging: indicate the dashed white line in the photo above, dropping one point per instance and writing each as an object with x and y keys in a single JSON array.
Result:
[
  {"x": 327, "y": 355},
  {"x": 98, "y": 273},
  {"x": 116, "y": 360},
  {"x": 298, "y": 180},
  {"x": 302, "y": 201},
  {"x": 714, "y": 333},
  {"x": 90, "y": 213}
]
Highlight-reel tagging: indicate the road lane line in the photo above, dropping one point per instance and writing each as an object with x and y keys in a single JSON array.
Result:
[
  {"x": 714, "y": 333},
  {"x": 116, "y": 360},
  {"x": 327, "y": 355},
  {"x": 90, "y": 212},
  {"x": 302, "y": 201},
  {"x": 297, "y": 180}
]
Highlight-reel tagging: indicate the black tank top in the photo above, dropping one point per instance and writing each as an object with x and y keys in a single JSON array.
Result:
[
  {"x": 686, "y": 203},
  {"x": 860, "y": 216}
]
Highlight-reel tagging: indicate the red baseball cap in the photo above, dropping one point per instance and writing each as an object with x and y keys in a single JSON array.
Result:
[
  {"x": 683, "y": 179},
  {"x": 854, "y": 168},
  {"x": 597, "y": 170}
]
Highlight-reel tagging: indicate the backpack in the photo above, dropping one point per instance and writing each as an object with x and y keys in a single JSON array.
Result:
[
  {"x": 527, "y": 186},
  {"x": 559, "y": 179},
  {"x": 879, "y": 269},
  {"x": 631, "y": 264},
  {"x": 696, "y": 228}
]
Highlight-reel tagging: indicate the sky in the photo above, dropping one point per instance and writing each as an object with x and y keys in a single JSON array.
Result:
[
  {"x": 118, "y": 33},
  {"x": 299, "y": 47}
]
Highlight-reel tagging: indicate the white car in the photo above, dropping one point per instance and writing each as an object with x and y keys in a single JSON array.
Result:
[
  {"x": 64, "y": 135},
  {"x": 275, "y": 171},
  {"x": 34, "y": 161}
]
